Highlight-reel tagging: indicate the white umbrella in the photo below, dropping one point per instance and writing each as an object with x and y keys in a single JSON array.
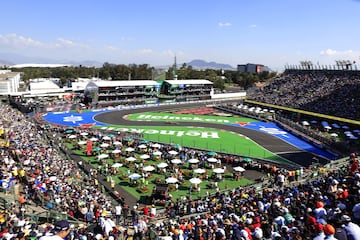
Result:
[
  {"x": 72, "y": 136},
  {"x": 104, "y": 145},
  {"x": 117, "y": 143},
  {"x": 194, "y": 160},
  {"x": 171, "y": 180},
  {"x": 106, "y": 138},
  {"x": 116, "y": 165},
  {"x": 129, "y": 149},
  {"x": 149, "y": 168},
  {"x": 156, "y": 145},
  {"x": 130, "y": 159},
  {"x": 195, "y": 180},
  {"x": 218, "y": 170},
  {"x": 144, "y": 156},
  {"x": 173, "y": 152},
  {"x": 116, "y": 151},
  {"x": 142, "y": 146},
  {"x": 53, "y": 178},
  {"x": 82, "y": 142},
  {"x": 162, "y": 165},
  {"x": 199, "y": 170},
  {"x": 157, "y": 153},
  {"x": 212, "y": 160},
  {"x": 134, "y": 176},
  {"x": 102, "y": 156},
  {"x": 26, "y": 162},
  {"x": 239, "y": 169},
  {"x": 176, "y": 161},
  {"x": 93, "y": 139},
  {"x": 305, "y": 123},
  {"x": 84, "y": 134}
]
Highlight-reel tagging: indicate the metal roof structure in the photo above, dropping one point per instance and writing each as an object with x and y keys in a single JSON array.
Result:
[{"x": 189, "y": 81}]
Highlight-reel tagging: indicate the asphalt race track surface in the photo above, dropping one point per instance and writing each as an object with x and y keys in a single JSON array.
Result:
[{"x": 271, "y": 143}]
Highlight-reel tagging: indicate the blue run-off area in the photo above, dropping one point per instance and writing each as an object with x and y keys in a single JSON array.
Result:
[
  {"x": 273, "y": 129},
  {"x": 74, "y": 119}
]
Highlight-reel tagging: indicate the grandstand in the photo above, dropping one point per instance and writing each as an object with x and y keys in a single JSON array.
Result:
[
  {"x": 106, "y": 93},
  {"x": 314, "y": 96},
  {"x": 186, "y": 90}
]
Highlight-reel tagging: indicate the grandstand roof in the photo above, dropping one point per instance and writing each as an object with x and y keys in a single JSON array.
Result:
[
  {"x": 125, "y": 83},
  {"x": 189, "y": 81},
  {"x": 43, "y": 85},
  {"x": 49, "y": 65}
]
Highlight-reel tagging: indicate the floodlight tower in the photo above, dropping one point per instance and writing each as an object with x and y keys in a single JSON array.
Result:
[{"x": 174, "y": 69}]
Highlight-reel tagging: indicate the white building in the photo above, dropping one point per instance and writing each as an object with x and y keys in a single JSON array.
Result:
[{"x": 9, "y": 82}]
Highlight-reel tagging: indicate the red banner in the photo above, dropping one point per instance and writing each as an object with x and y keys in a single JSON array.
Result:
[{"x": 89, "y": 148}]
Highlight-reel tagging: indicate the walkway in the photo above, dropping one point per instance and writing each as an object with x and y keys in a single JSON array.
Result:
[{"x": 117, "y": 193}]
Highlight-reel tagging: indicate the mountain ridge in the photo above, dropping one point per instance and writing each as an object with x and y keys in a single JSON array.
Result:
[{"x": 9, "y": 59}]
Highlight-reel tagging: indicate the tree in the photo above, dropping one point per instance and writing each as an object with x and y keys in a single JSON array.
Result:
[{"x": 219, "y": 83}]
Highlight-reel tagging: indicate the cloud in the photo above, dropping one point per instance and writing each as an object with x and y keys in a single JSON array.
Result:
[
  {"x": 64, "y": 49},
  {"x": 145, "y": 51},
  {"x": 224, "y": 24},
  {"x": 12, "y": 40},
  {"x": 112, "y": 48},
  {"x": 328, "y": 52},
  {"x": 346, "y": 53},
  {"x": 253, "y": 26}
]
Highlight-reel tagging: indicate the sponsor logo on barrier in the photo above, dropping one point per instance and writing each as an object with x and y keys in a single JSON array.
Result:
[
  {"x": 190, "y": 133},
  {"x": 273, "y": 131},
  {"x": 73, "y": 119},
  {"x": 180, "y": 118}
]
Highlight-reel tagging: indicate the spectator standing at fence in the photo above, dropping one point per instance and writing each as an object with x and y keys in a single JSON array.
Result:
[{"x": 118, "y": 211}]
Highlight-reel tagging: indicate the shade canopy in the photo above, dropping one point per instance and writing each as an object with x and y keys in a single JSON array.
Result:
[
  {"x": 171, "y": 180},
  {"x": 194, "y": 160},
  {"x": 134, "y": 176},
  {"x": 212, "y": 160},
  {"x": 129, "y": 149},
  {"x": 116, "y": 151},
  {"x": 116, "y": 165},
  {"x": 176, "y": 161},
  {"x": 149, "y": 168},
  {"x": 199, "y": 170},
  {"x": 162, "y": 165},
  {"x": 195, "y": 180},
  {"x": 103, "y": 156},
  {"x": 144, "y": 156},
  {"x": 239, "y": 169},
  {"x": 218, "y": 170},
  {"x": 130, "y": 159}
]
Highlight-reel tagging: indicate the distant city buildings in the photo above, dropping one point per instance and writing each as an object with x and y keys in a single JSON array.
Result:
[{"x": 252, "y": 68}]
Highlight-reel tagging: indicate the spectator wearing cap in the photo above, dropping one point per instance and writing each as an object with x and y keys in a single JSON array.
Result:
[
  {"x": 329, "y": 231},
  {"x": 320, "y": 211},
  {"x": 61, "y": 230},
  {"x": 319, "y": 232},
  {"x": 352, "y": 229}
]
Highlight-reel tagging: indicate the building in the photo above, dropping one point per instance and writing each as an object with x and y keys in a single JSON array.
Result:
[
  {"x": 252, "y": 68},
  {"x": 185, "y": 90},
  {"x": 121, "y": 92},
  {"x": 9, "y": 82}
]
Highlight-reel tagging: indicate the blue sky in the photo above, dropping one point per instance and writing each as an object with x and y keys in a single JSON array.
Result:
[{"x": 270, "y": 32}]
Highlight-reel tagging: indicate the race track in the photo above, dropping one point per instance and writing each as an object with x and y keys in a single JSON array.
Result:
[{"x": 271, "y": 143}]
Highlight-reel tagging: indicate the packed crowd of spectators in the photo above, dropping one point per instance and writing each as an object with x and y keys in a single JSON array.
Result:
[
  {"x": 327, "y": 92},
  {"x": 327, "y": 208}
]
